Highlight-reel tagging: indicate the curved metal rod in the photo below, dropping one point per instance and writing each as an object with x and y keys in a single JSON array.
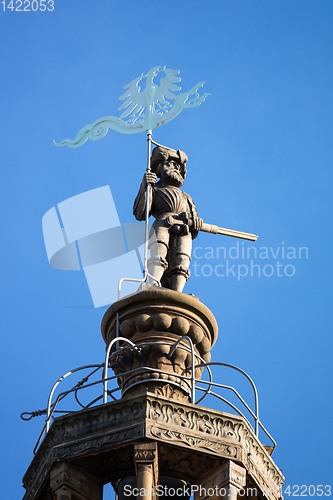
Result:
[
  {"x": 62, "y": 395},
  {"x": 105, "y": 382},
  {"x": 172, "y": 350},
  {"x": 93, "y": 401},
  {"x": 228, "y": 403},
  {"x": 76, "y": 387},
  {"x": 48, "y": 416},
  {"x": 236, "y": 409},
  {"x": 256, "y": 399},
  {"x": 156, "y": 370},
  {"x": 268, "y": 435},
  {"x": 39, "y": 439},
  {"x": 139, "y": 369},
  {"x": 207, "y": 391},
  {"x": 161, "y": 146},
  {"x": 138, "y": 280},
  {"x": 222, "y": 386},
  {"x": 255, "y": 416},
  {"x": 77, "y": 399},
  {"x": 205, "y": 365},
  {"x": 80, "y": 384}
]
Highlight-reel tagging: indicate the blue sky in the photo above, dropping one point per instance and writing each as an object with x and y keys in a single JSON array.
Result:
[{"x": 260, "y": 160}]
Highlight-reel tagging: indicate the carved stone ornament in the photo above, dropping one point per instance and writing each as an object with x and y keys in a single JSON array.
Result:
[
  {"x": 153, "y": 320},
  {"x": 91, "y": 439},
  {"x": 146, "y": 465}
]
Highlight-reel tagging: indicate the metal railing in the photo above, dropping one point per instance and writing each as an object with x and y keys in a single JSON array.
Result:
[{"x": 187, "y": 383}]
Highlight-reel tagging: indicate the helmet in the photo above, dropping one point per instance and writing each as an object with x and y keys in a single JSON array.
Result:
[{"x": 161, "y": 155}]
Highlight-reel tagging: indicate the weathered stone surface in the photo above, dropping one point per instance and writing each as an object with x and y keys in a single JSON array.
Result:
[{"x": 89, "y": 440}]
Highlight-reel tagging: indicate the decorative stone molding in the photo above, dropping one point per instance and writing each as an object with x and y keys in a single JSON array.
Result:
[
  {"x": 92, "y": 436},
  {"x": 163, "y": 310},
  {"x": 185, "y": 464},
  {"x": 160, "y": 317}
]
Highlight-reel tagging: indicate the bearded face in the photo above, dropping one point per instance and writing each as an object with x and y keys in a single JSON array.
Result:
[{"x": 170, "y": 174}]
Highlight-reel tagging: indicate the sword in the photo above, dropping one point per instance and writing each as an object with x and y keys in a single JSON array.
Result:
[
  {"x": 200, "y": 225},
  {"x": 210, "y": 228}
]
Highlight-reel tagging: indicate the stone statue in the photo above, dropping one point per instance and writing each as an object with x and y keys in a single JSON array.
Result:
[{"x": 176, "y": 218}]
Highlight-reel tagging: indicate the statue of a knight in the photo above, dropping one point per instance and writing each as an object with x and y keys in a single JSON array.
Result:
[{"x": 176, "y": 218}]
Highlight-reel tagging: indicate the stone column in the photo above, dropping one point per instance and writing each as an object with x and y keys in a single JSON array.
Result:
[
  {"x": 146, "y": 467},
  {"x": 224, "y": 483},
  {"x": 69, "y": 483}
]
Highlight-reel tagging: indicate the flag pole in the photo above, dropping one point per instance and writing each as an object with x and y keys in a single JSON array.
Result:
[{"x": 146, "y": 273}]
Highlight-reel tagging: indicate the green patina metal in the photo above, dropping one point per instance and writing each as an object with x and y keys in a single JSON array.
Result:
[{"x": 143, "y": 111}]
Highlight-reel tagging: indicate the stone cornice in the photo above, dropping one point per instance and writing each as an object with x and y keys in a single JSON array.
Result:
[{"x": 184, "y": 425}]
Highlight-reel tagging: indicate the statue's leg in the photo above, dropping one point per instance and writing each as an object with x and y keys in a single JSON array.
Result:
[
  {"x": 179, "y": 261},
  {"x": 158, "y": 246}
]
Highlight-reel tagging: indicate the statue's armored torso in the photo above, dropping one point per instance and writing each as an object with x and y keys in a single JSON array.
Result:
[{"x": 168, "y": 200}]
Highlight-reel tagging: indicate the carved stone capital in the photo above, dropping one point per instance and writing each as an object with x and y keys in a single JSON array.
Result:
[
  {"x": 233, "y": 474},
  {"x": 225, "y": 481},
  {"x": 145, "y": 452},
  {"x": 153, "y": 320},
  {"x": 146, "y": 468},
  {"x": 70, "y": 483}
]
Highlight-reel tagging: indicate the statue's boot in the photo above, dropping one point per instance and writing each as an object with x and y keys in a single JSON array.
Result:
[
  {"x": 177, "y": 282},
  {"x": 156, "y": 271}
]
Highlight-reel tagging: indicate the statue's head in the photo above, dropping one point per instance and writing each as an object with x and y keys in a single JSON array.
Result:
[{"x": 169, "y": 165}]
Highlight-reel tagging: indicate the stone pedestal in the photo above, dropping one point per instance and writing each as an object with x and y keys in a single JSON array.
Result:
[{"x": 154, "y": 319}]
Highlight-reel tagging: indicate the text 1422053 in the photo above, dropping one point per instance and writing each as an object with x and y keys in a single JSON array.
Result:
[{"x": 28, "y": 5}]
